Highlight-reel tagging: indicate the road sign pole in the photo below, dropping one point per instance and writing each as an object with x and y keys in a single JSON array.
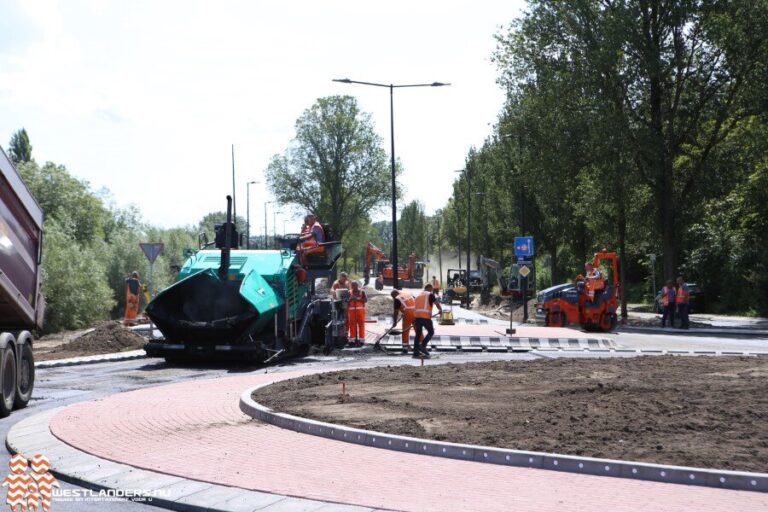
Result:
[
  {"x": 524, "y": 294},
  {"x": 151, "y": 251},
  {"x": 151, "y": 294}
]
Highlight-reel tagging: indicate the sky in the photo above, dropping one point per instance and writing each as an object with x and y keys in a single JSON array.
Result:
[{"x": 145, "y": 98}]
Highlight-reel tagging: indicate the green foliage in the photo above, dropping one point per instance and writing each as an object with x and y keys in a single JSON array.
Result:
[
  {"x": 20, "y": 149},
  {"x": 67, "y": 200},
  {"x": 74, "y": 281},
  {"x": 335, "y": 167},
  {"x": 636, "y": 126},
  {"x": 412, "y": 232}
]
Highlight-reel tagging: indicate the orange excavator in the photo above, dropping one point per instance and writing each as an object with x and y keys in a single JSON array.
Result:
[
  {"x": 410, "y": 276},
  {"x": 591, "y": 303}
]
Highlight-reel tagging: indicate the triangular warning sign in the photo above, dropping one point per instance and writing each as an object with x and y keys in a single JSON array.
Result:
[{"x": 152, "y": 251}]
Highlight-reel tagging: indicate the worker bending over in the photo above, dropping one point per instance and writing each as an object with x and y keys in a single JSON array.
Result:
[
  {"x": 356, "y": 315},
  {"x": 405, "y": 303},
  {"x": 423, "y": 320},
  {"x": 311, "y": 239},
  {"x": 595, "y": 281},
  {"x": 132, "y": 290}
]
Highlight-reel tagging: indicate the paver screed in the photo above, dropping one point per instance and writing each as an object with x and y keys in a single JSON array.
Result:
[{"x": 195, "y": 430}]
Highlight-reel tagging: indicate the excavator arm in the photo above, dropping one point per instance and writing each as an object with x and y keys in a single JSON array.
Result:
[
  {"x": 488, "y": 263},
  {"x": 372, "y": 252}
]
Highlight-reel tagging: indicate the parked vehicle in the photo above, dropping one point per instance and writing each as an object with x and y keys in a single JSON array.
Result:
[{"x": 22, "y": 306}]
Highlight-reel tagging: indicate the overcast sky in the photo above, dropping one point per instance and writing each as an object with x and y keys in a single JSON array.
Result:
[{"x": 145, "y": 97}]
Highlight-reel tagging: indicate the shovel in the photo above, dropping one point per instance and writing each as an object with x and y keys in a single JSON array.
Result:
[{"x": 377, "y": 344}]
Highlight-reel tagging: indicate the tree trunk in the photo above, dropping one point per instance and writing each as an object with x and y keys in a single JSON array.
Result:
[
  {"x": 553, "y": 266},
  {"x": 622, "y": 228}
]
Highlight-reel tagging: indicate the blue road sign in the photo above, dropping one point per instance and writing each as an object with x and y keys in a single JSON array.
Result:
[{"x": 524, "y": 246}]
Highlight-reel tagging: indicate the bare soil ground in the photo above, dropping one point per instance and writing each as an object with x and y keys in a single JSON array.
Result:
[
  {"x": 105, "y": 338},
  {"x": 692, "y": 411}
]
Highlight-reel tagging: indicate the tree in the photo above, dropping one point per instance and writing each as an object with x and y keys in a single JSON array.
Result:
[
  {"x": 335, "y": 167},
  {"x": 679, "y": 73},
  {"x": 74, "y": 281},
  {"x": 20, "y": 149},
  {"x": 66, "y": 199},
  {"x": 412, "y": 232}
]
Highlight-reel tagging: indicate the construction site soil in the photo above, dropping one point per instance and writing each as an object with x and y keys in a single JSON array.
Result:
[
  {"x": 692, "y": 411},
  {"x": 105, "y": 338}
]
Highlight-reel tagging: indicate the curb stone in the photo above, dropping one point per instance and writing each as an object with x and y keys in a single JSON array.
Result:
[
  {"x": 99, "y": 358},
  {"x": 721, "y": 479}
]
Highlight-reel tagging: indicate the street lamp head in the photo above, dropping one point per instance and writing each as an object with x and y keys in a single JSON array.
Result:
[
  {"x": 439, "y": 84},
  {"x": 342, "y": 80},
  {"x": 253, "y": 182}
]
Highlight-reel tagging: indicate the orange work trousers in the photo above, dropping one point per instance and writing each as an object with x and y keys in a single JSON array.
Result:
[
  {"x": 356, "y": 323},
  {"x": 407, "y": 324},
  {"x": 131, "y": 307}
]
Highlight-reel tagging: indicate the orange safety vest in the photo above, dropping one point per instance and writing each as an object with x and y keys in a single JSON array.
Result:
[
  {"x": 682, "y": 296},
  {"x": 423, "y": 307},
  {"x": 665, "y": 296},
  {"x": 357, "y": 303},
  {"x": 407, "y": 303}
]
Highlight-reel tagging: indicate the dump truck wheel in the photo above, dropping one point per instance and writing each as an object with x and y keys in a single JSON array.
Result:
[
  {"x": 25, "y": 380},
  {"x": 7, "y": 381}
]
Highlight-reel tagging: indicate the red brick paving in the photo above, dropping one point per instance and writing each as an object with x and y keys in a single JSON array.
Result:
[{"x": 194, "y": 429}]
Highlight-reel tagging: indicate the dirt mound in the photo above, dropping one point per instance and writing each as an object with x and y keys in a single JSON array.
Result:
[
  {"x": 379, "y": 305},
  {"x": 106, "y": 337},
  {"x": 690, "y": 411}
]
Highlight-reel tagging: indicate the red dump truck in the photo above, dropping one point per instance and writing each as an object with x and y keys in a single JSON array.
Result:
[{"x": 21, "y": 303}]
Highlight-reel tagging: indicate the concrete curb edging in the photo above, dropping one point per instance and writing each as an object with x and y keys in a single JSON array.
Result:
[
  {"x": 442, "y": 342},
  {"x": 32, "y": 435},
  {"x": 721, "y": 479},
  {"x": 100, "y": 358}
]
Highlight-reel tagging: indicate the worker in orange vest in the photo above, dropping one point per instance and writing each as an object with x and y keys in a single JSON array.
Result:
[
  {"x": 132, "y": 290},
  {"x": 405, "y": 303},
  {"x": 311, "y": 239},
  {"x": 356, "y": 315},
  {"x": 682, "y": 300},
  {"x": 423, "y": 320},
  {"x": 435, "y": 286},
  {"x": 668, "y": 304}
]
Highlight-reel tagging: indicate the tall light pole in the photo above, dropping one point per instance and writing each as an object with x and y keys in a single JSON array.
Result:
[
  {"x": 248, "y": 213},
  {"x": 274, "y": 228},
  {"x": 392, "y": 87},
  {"x": 265, "y": 222}
]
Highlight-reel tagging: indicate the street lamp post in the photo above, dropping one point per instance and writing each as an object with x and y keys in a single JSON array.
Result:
[
  {"x": 265, "y": 223},
  {"x": 274, "y": 228},
  {"x": 392, "y": 87},
  {"x": 248, "y": 213}
]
